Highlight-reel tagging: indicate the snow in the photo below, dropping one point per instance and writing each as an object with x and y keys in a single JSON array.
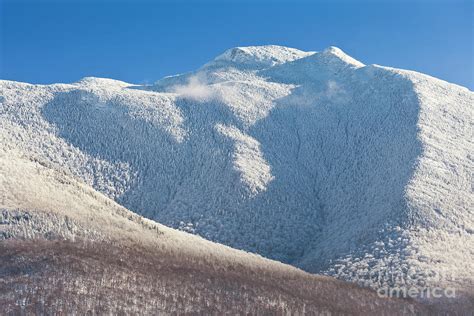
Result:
[
  {"x": 39, "y": 202},
  {"x": 314, "y": 159},
  {"x": 334, "y": 53},
  {"x": 258, "y": 56},
  {"x": 248, "y": 159}
]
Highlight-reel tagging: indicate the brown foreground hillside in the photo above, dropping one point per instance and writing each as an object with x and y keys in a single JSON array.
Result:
[{"x": 64, "y": 277}]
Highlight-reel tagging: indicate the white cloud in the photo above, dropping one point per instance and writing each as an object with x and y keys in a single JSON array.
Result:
[
  {"x": 336, "y": 92},
  {"x": 196, "y": 89},
  {"x": 333, "y": 92}
]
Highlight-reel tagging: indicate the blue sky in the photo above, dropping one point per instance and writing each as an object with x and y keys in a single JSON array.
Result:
[{"x": 142, "y": 41}]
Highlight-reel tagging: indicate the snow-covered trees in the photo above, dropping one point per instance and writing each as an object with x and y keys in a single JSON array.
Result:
[{"x": 309, "y": 158}]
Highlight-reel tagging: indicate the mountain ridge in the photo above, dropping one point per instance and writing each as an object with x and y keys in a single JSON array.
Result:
[{"x": 313, "y": 159}]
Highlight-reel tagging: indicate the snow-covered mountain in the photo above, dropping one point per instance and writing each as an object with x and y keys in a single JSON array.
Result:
[
  {"x": 361, "y": 172},
  {"x": 68, "y": 249}
]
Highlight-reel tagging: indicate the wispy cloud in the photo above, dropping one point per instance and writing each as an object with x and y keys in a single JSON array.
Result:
[
  {"x": 196, "y": 89},
  {"x": 333, "y": 92}
]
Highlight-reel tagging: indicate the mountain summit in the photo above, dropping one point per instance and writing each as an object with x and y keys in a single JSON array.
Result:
[
  {"x": 259, "y": 56},
  {"x": 357, "y": 171}
]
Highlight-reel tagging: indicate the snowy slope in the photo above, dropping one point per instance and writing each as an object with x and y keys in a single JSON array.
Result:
[
  {"x": 313, "y": 159},
  {"x": 65, "y": 248}
]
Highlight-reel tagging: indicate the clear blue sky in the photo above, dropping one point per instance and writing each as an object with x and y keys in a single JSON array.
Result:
[{"x": 142, "y": 41}]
